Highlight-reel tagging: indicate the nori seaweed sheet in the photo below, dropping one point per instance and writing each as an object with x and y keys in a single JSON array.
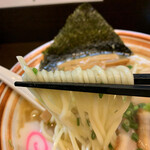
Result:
[{"x": 85, "y": 31}]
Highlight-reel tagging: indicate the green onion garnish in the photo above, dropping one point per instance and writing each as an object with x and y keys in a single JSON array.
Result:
[
  {"x": 134, "y": 125},
  {"x": 129, "y": 120},
  {"x": 115, "y": 111},
  {"x": 146, "y": 107},
  {"x": 93, "y": 135},
  {"x": 139, "y": 149},
  {"x": 130, "y": 67},
  {"x": 124, "y": 98},
  {"x": 88, "y": 122},
  {"x": 110, "y": 147},
  {"x": 78, "y": 121},
  {"x": 10, "y": 143},
  {"x": 136, "y": 107},
  {"x": 35, "y": 71},
  {"x": 129, "y": 113},
  {"x": 141, "y": 105},
  {"x": 100, "y": 95},
  {"x": 126, "y": 125},
  {"x": 135, "y": 137}
]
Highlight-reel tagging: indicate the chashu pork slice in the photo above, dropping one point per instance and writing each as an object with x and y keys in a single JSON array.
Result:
[
  {"x": 124, "y": 141},
  {"x": 144, "y": 129}
]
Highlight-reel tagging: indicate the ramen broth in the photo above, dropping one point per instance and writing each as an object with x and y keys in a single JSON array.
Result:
[
  {"x": 27, "y": 113},
  {"x": 29, "y": 116},
  {"x": 28, "y": 130}
]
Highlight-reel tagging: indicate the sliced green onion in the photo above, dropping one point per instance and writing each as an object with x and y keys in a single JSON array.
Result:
[
  {"x": 129, "y": 113},
  {"x": 141, "y": 105},
  {"x": 139, "y": 149},
  {"x": 129, "y": 118},
  {"x": 10, "y": 143},
  {"x": 110, "y": 147},
  {"x": 88, "y": 122},
  {"x": 146, "y": 107},
  {"x": 100, "y": 95},
  {"x": 126, "y": 125},
  {"x": 93, "y": 135},
  {"x": 130, "y": 67},
  {"x": 124, "y": 98},
  {"x": 78, "y": 121},
  {"x": 115, "y": 111},
  {"x": 136, "y": 108},
  {"x": 135, "y": 137},
  {"x": 35, "y": 71},
  {"x": 134, "y": 125}
]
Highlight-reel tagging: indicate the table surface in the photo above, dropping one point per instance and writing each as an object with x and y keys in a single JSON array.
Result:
[{"x": 24, "y": 28}]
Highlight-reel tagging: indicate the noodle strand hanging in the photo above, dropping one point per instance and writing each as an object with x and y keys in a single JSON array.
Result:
[{"x": 84, "y": 121}]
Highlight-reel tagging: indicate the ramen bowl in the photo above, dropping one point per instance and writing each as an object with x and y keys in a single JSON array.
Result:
[{"x": 20, "y": 126}]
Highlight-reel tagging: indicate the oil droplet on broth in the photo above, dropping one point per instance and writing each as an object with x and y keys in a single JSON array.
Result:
[
  {"x": 28, "y": 121},
  {"x": 27, "y": 113}
]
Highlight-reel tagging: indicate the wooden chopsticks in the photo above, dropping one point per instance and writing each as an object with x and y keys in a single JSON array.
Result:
[{"x": 139, "y": 89}]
